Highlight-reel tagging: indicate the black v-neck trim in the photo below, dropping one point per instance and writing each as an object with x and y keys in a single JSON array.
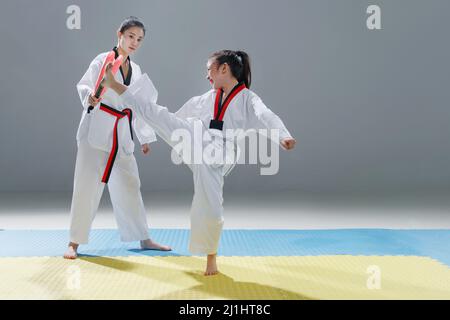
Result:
[
  {"x": 127, "y": 80},
  {"x": 220, "y": 108}
]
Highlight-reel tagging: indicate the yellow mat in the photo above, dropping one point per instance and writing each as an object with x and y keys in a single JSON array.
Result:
[{"x": 310, "y": 277}]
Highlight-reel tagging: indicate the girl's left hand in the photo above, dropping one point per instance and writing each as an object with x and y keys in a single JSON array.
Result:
[
  {"x": 145, "y": 148},
  {"x": 288, "y": 143}
]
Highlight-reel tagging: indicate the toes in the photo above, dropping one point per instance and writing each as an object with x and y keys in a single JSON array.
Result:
[
  {"x": 70, "y": 255},
  {"x": 211, "y": 273}
]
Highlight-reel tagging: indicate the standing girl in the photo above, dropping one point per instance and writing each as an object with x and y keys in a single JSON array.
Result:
[
  {"x": 229, "y": 105},
  {"x": 105, "y": 150}
]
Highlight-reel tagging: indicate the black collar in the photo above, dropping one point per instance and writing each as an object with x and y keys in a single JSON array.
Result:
[{"x": 127, "y": 79}]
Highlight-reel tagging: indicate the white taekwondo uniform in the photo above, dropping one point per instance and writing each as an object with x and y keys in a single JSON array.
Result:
[
  {"x": 245, "y": 111},
  {"x": 105, "y": 156}
]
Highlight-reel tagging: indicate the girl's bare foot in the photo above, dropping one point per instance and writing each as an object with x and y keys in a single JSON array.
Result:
[
  {"x": 150, "y": 245},
  {"x": 71, "y": 252},
  {"x": 211, "y": 265}
]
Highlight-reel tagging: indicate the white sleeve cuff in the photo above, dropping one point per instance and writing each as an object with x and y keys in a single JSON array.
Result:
[{"x": 143, "y": 86}]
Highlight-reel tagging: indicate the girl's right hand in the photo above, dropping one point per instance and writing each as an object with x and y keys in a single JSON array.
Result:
[
  {"x": 93, "y": 101},
  {"x": 288, "y": 143},
  {"x": 108, "y": 80}
]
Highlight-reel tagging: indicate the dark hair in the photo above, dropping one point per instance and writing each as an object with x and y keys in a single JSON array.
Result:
[
  {"x": 239, "y": 63},
  {"x": 131, "y": 22}
]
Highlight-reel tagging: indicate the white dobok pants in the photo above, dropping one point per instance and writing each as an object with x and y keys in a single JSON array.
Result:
[{"x": 124, "y": 190}]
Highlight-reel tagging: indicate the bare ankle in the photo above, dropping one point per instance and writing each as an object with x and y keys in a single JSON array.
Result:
[
  {"x": 74, "y": 245},
  {"x": 211, "y": 258}
]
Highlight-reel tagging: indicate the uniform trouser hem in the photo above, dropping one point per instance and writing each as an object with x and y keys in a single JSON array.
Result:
[{"x": 202, "y": 250}]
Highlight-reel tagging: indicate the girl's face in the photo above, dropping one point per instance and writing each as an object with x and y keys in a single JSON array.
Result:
[
  {"x": 216, "y": 75},
  {"x": 131, "y": 39}
]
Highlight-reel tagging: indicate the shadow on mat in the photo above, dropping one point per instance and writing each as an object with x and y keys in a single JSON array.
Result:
[
  {"x": 219, "y": 285},
  {"x": 226, "y": 287},
  {"x": 137, "y": 268},
  {"x": 155, "y": 253}
]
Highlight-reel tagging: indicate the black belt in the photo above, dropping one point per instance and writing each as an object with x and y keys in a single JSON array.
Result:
[{"x": 115, "y": 147}]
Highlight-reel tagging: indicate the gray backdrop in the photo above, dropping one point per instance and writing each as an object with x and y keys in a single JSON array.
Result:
[{"x": 369, "y": 108}]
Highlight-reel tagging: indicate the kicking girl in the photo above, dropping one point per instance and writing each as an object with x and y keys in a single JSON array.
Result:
[
  {"x": 229, "y": 105},
  {"x": 105, "y": 150}
]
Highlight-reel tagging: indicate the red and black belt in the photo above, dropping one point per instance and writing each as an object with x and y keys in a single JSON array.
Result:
[
  {"x": 115, "y": 146},
  {"x": 219, "y": 108}
]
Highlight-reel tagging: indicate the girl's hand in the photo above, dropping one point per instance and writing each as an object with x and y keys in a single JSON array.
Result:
[
  {"x": 93, "y": 101},
  {"x": 288, "y": 143},
  {"x": 145, "y": 148},
  {"x": 108, "y": 79}
]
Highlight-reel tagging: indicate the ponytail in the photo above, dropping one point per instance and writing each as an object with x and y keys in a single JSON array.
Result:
[{"x": 246, "y": 75}]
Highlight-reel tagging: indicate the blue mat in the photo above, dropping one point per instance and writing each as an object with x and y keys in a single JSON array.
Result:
[{"x": 430, "y": 243}]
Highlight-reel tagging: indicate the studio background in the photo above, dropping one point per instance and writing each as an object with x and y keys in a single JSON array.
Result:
[{"x": 369, "y": 108}]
